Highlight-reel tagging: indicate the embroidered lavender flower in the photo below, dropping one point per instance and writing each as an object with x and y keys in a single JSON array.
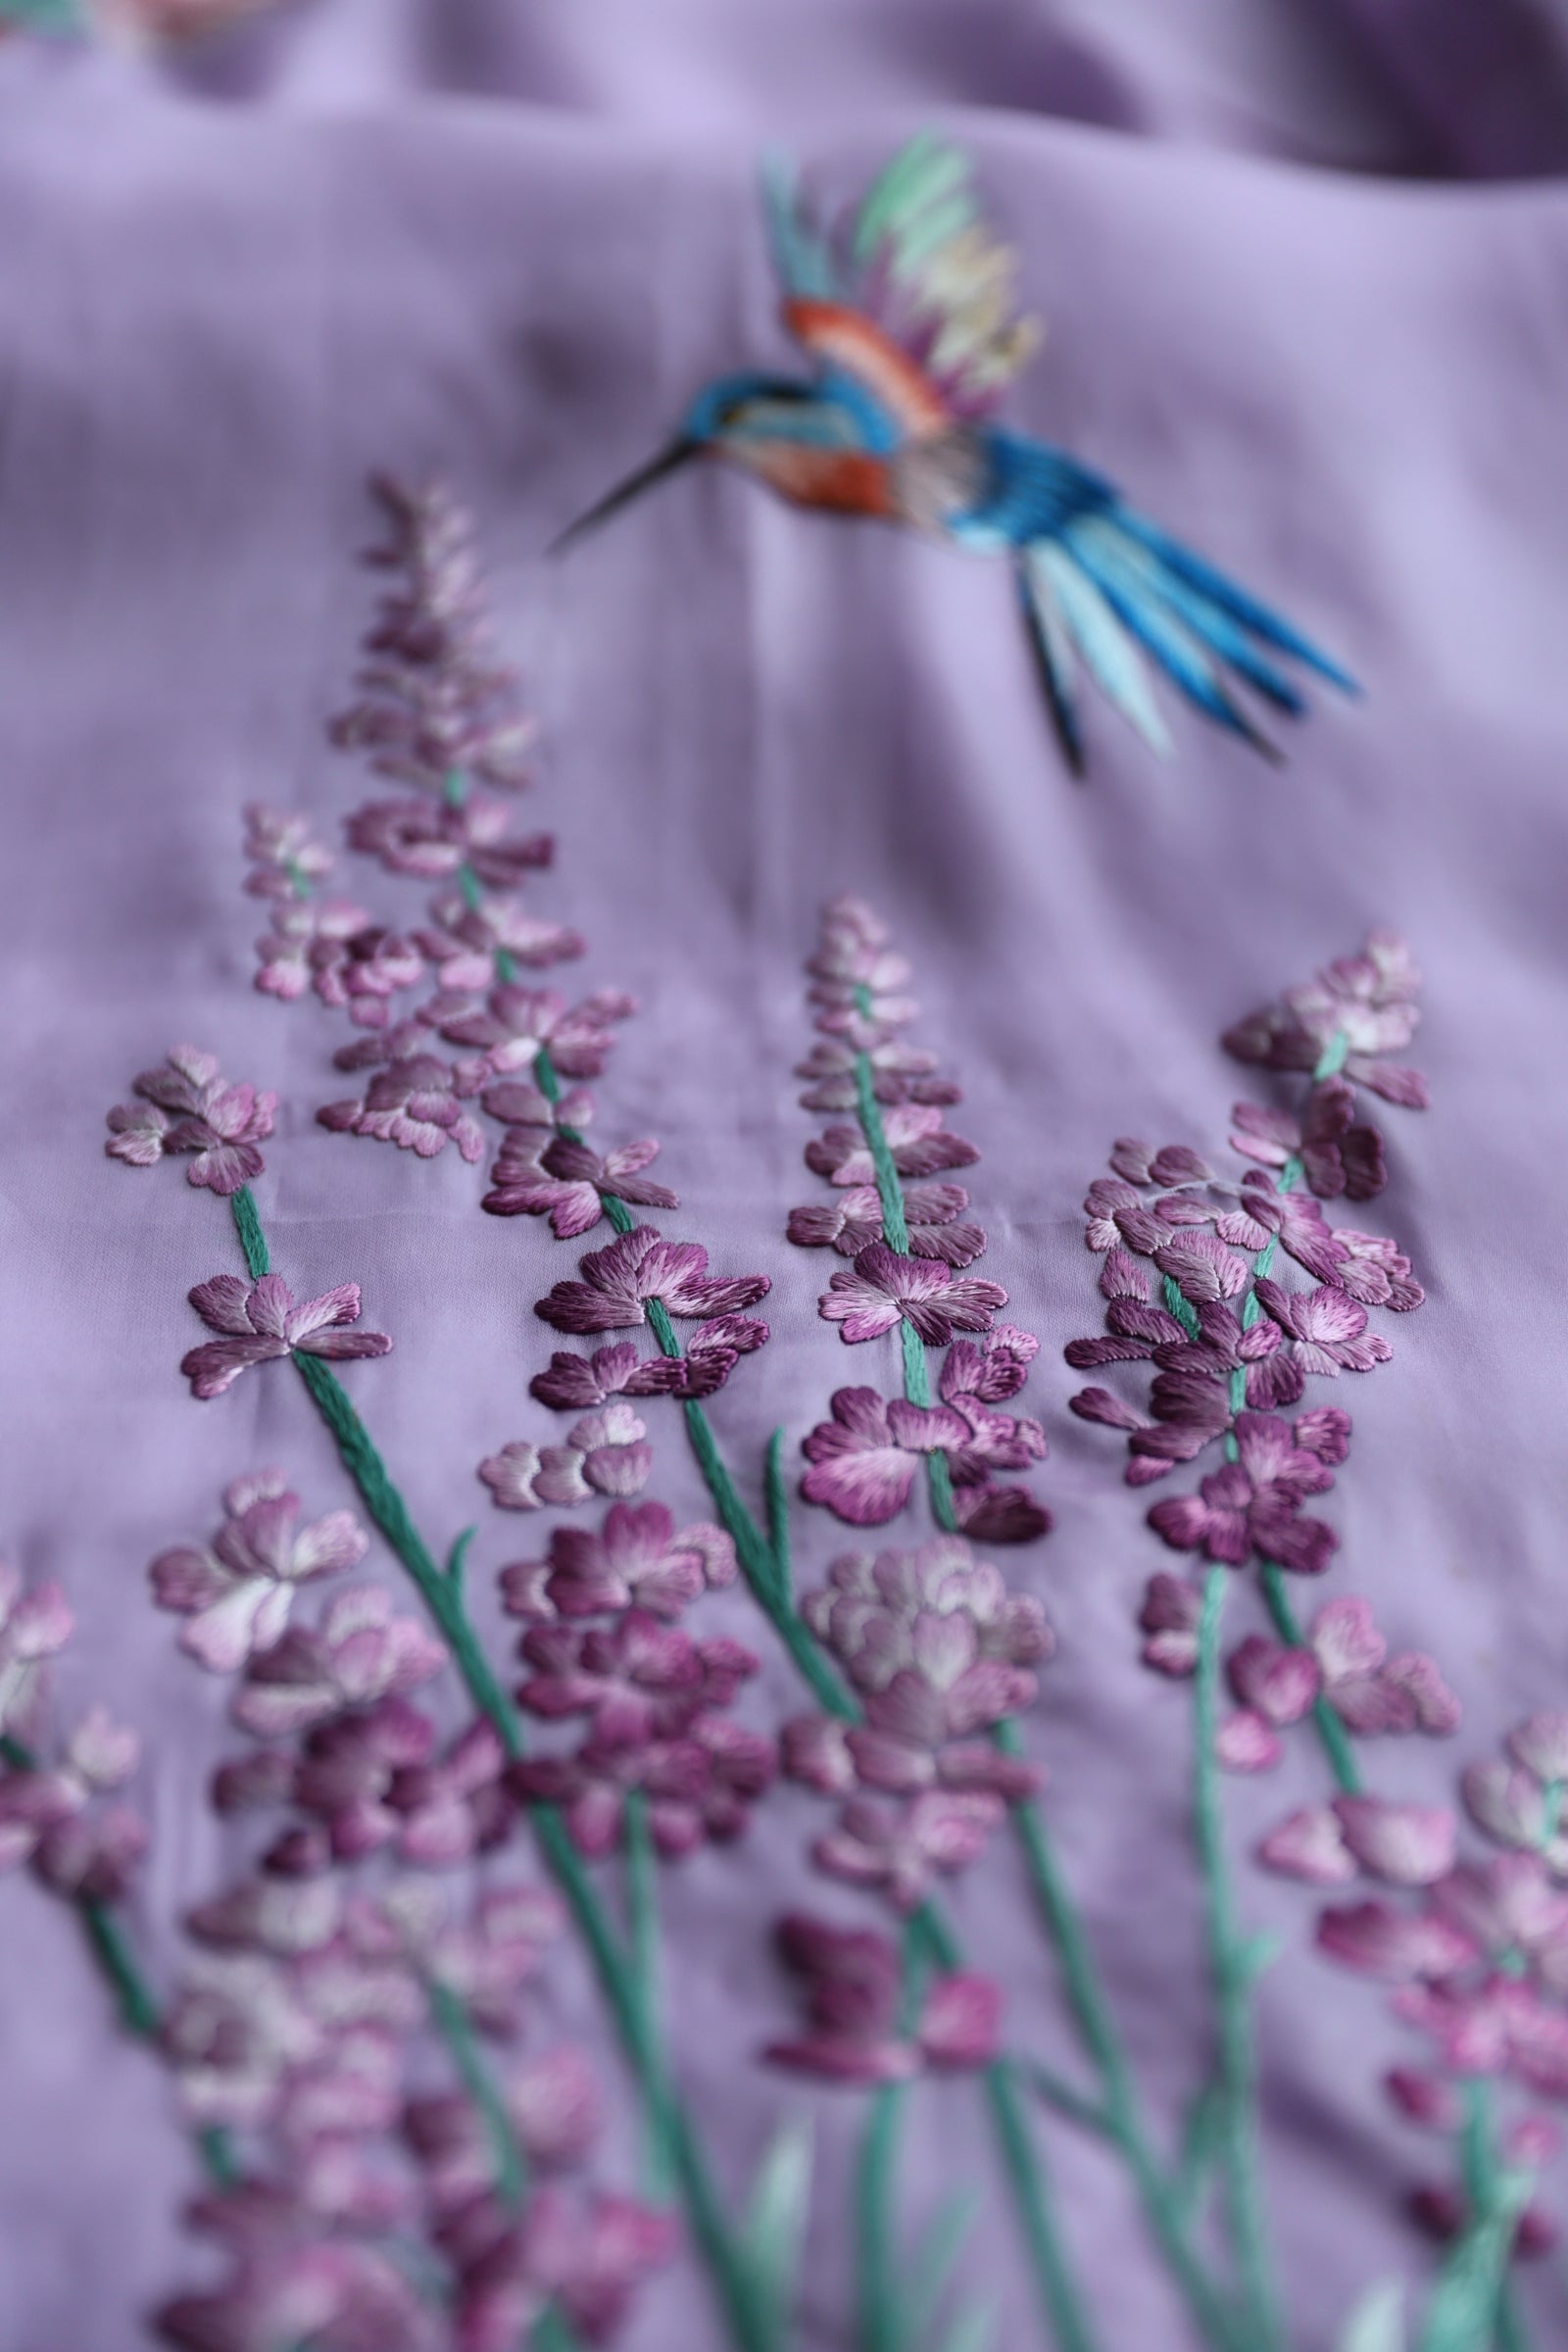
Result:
[
  {"x": 1367, "y": 1001},
  {"x": 933, "y": 1216},
  {"x": 910, "y": 1242},
  {"x": 1518, "y": 1798},
  {"x": 360, "y": 1654},
  {"x": 361, "y": 971},
  {"x": 865, "y": 1461},
  {"x": 286, "y": 2270},
  {"x": 938, "y": 1652},
  {"x": 222, "y": 1125},
  {"x": 433, "y": 699},
  {"x": 568, "y": 1181},
  {"x": 638, "y": 1559},
  {"x": 414, "y": 1104},
  {"x": 507, "y": 1037},
  {"x": 619, "y": 1283},
  {"x": 1252, "y": 1506},
  {"x": 885, "y": 1288},
  {"x": 697, "y": 1787},
  {"x": 851, "y": 1980},
  {"x": 917, "y": 1140},
  {"x": 308, "y": 936},
  {"x": 1221, "y": 1330},
  {"x": 573, "y": 1382},
  {"x": 1344, "y": 1661},
  {"x": 257, "y": 1323},
  {"x": 236, "y": 1596},
  {"x": 286, "y": 860},
  {"x": 605, "y": 1453},
  {"x": 34, "y": 1627},
  {"x": 49, "y": 1814},
  {"x": 587, "y": 2260},
  {"x": 434, "y": 838},
  {"x": 489, "y": 926},
  {"x": 1337, "y": 1153}
]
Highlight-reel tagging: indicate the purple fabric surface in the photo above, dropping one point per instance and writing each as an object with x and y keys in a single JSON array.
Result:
[{"x": 213, "y": 319}]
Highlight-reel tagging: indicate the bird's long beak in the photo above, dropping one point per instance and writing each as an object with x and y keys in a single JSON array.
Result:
[{"x": 667, "y": 461}]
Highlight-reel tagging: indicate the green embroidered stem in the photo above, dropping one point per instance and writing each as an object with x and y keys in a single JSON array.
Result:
[
  {"x": 441, "y": 1595},
  {"x": 1061, "y": 1919},
  {"x": 642, "y": 1903},
  {"x": 107, "y": 1939},
  {"x": 1026, "y": 2177},
  {"x": 881, "y": 2324},
  {"x": 1471, "y": 2307},
  {"x": 879, "y": 2328},
  {"x": 1121, "y": 2117},
  {"x": 1336, "y": 1740},
  {"x": 451, "y": 2021},
  {"x": 778, "y": 1519},
  {"x": 1233, "y": 1976},
  {"x": 252, "y": 1239},
  {"x": 455, "y": 792},
  {"x": 111, "y": 1947},
  {"x": 443, "y": 1600},
  {"x": 134, "y": 1998}
]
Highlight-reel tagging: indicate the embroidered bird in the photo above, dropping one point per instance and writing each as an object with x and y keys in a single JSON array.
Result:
[{"x": 905, "y": 309}]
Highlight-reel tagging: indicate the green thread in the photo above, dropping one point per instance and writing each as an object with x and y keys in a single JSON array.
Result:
[
  {"x": 134, "y": 1998},
  {"x": 642, "y": 1903},
  {"x": 878, "y": 2265},
  {"x": 138, "y": 2006},
  {"x": 895, "y": 1224},
  {"x": 778, "y": 1518},
  {"x": 1162, "y": 2202},
  {"x": 456, "y": 1559},
  {"x": 1331, "y": 1731},
  {"x": 1472, "y": 2307},
  {"x": 441, "y": 1595},
  {"x": 443, "y": 1600},
  {"x": 248, "y": 1225},
  {"x": 1058, "y": 1914},
  {"x": 1234, "y": 1969},
  {"x": 1026, "y": 2177},
  {"x": 1067, "y": 2101},
  {"x": 451, "y": 2021}
]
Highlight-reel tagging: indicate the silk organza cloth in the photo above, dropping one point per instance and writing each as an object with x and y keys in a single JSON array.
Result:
[{"x": 505, "y": 244}]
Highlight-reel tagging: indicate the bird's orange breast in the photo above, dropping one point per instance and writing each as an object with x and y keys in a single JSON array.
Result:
[{"x": 847, "y": 480}]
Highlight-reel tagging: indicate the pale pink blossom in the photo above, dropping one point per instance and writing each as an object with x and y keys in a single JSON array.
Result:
[
  {"x": 187, "y": 1105},
  {"x": 236, "y": 1596}
]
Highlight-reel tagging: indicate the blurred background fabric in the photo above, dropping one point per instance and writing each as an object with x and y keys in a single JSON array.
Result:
[{"x": 1304, "y": 265}]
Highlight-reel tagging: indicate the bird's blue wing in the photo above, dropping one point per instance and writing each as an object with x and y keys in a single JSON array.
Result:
[
  {"x": 803, "y": 249},
  {"x": 923, "y": 273},
  {"x": 1105, "y": 588}
]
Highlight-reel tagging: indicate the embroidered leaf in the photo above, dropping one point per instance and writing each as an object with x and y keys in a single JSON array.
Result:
[
  {"x": 933, "y": 2263},
  {"x": 971, "y": 2331},
  {"x": 457, "y": 1557},
  {"x": 773, "y": 2231},
  {"x": 1377, "y": 2324},
  {"x": 1464, "y": 2302}
]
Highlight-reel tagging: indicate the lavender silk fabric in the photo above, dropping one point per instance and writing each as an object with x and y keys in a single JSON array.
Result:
[{"x": 505, "y": 244}]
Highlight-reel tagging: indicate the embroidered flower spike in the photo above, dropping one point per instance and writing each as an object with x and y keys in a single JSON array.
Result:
[
  {"x": 907, "y": 1239},
  {"x": 1195, "y": 1286},
  {"x": 1477, "y": 1953},
  {"x": 306, "y": 2038},
  {"x": 906, "y": 311},
  {"x": 222, "y": 1125}
]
